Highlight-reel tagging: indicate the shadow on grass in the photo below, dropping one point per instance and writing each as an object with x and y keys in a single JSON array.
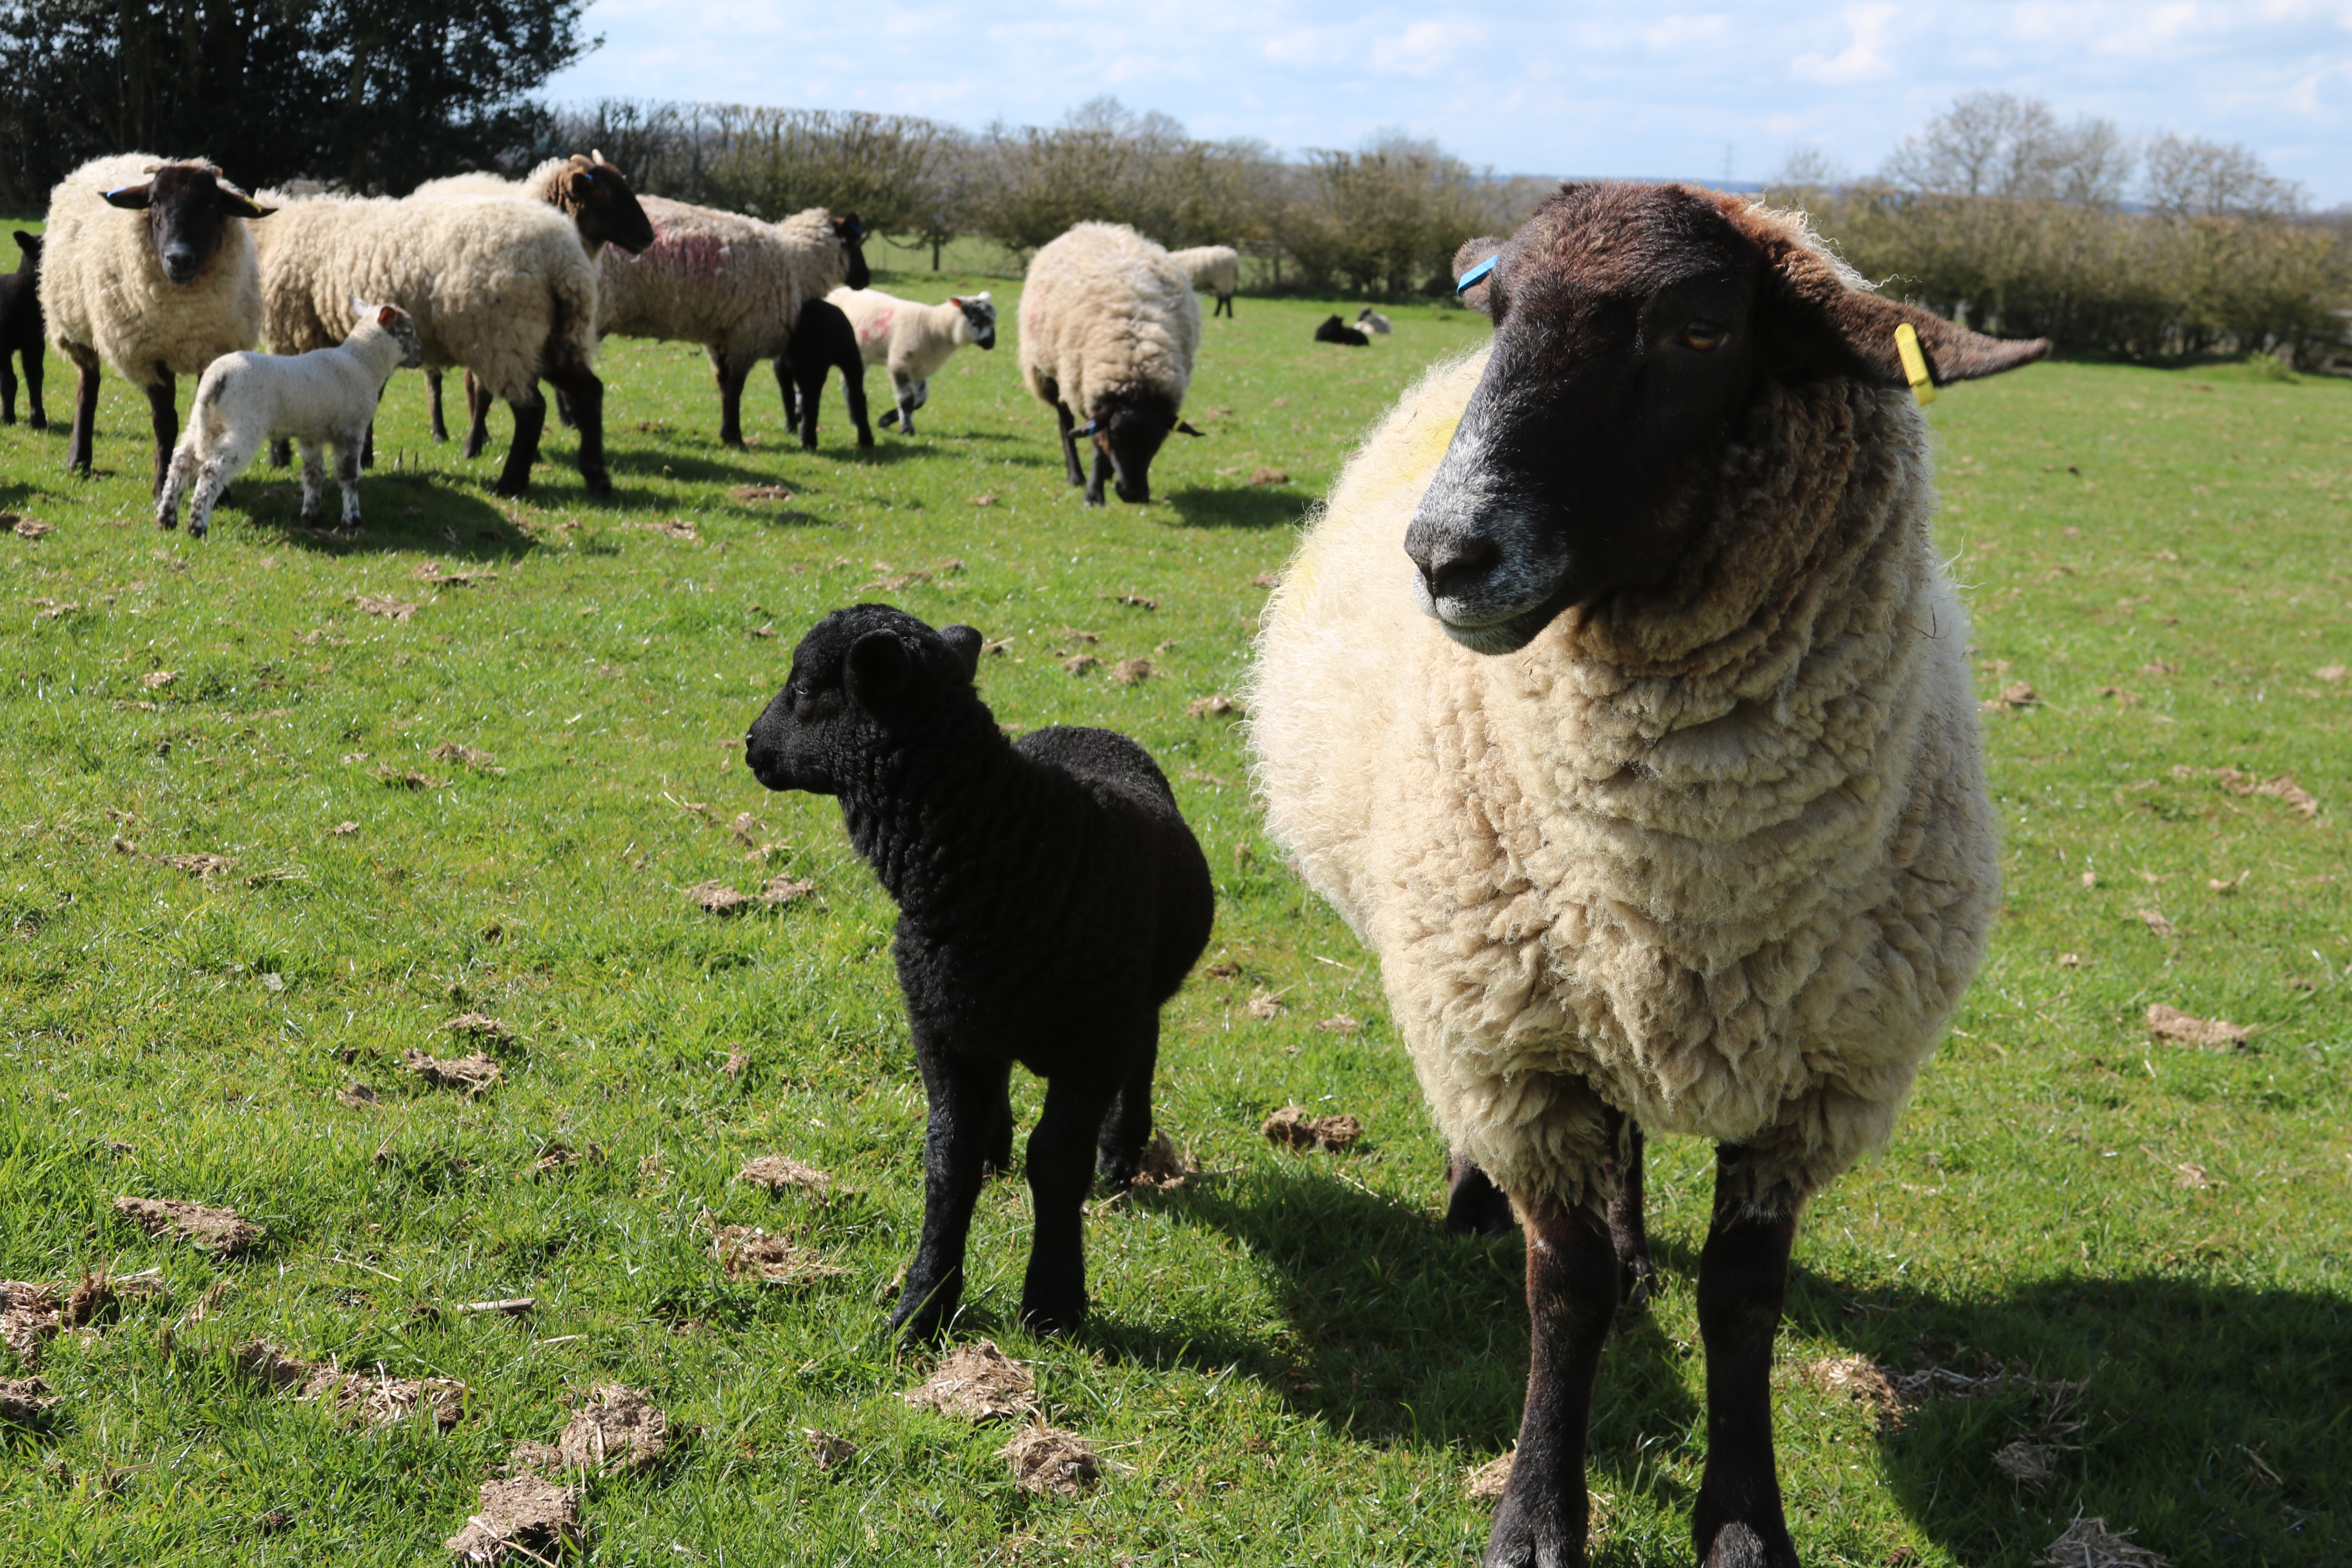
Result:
[
  {"x": 1197, "y": 506},
  {"x": 399, "y": 512}
]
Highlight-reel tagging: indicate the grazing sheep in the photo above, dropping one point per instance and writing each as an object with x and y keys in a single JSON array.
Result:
[
  {"x": 1650, "y": 767},
  {"x": 1371, "y": 320},
  {"x": 1109, "y": 329},
  {"x": 148, "y": 266},
  {"x": 1214, "y": 269},
  {"x": 914, "y": 340},
  {"x": 20, "y": 333},
  {"x": 733, "y": 284},
  {"x": 595, "y": 195},
  {"x": 1334, "y": 331},
  {"x": 1050, "y": 900},
  {"x": 325, "y": 396},
  {"x": 500, "y": 286},
  {"x": 822, "y": 341}
]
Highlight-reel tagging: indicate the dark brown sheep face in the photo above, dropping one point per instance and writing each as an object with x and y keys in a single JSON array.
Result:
[
  {"x": 188, "y": 209},
  {"x": 1634, "y": 327},
  {"x": 602, "y": 206},
  {"x": 852, "y": 234},
  {"x": 859, "y": 678},
  {"x": 1128, "y": 433}
]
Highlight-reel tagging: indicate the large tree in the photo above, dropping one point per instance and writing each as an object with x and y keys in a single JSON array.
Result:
[{"x": 374, "y": 95}]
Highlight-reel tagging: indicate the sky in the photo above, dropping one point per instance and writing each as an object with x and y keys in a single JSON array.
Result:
[{"x": 1711, "y": 92}]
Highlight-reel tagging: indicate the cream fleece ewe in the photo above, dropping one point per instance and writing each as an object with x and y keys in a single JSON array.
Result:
[
  {"x": 1108, "y": 331},
  {"x": 1213, "y": 269},
  {"x": 502, "y": 286},
  {"x": 148, "y": 267},
  {"x": 731, "y": 283},
  {"x": 1620, "y": 703},
  {"x": 914, "y": 340}
]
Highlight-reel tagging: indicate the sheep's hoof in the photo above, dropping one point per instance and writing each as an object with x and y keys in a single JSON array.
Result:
[
  {"x": 508, "y": 488},
  {"x": 925, "y": 1317},
  {"x": 599, "y": 482},
  {"x": 1054, "y": 1317},
  {"x": 1520, "y": 1539},
  {"x": 166, "y": 521},
  {"x": 1737, "y": 1545},
  {"x": 38, "y": 422}
]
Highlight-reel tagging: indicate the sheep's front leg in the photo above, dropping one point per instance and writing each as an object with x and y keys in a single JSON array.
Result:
[
  {"x": 478, "y": 418},
  {"x": 964, "y": 1096},
  {"x": 1069, "y": 443},
  {"x": 1572, "y": 1296},
  {"x": 731, "y": 376},
  {"x": 164, "y": 413},
  {"x": 84, "y": 420},
  {"x": 314, "y": 481},
  {"x": 1061, "y": 1169},
  {"x": 530, "y": 418},
  {"x": 222, "y": 464},
  {"x": 1104, "y": 472},
  {"x": 433, "y": 399},
  {"x": 1743, "y": 1272},
  {"x": 348, "y": 455}
]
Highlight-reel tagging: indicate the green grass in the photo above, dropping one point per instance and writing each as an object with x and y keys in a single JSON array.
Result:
[{"x": 1289, "y": 1361}]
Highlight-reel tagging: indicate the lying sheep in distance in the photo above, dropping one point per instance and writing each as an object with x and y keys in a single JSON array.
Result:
[
  {"x": 20, "y": 333},
  {"x": 1371, "y": 320},
  {"x": 1650, "y": 767},
  {"x": 822, "y": 341},
  {"x": 1334, "y": 331},
  {"x": 1051, "y": 901},
  {"x": 148, "y": 267},
  {"x": 1213, "y": 269},
  {"x": 913, "y": 340},
  {"x": 325, "y": 396},
  {"x": 731, "y": 283},
  {"x": 1108, "y": 331}
]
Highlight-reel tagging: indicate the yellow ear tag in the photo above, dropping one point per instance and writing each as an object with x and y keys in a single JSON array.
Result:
[{"x": 1915, "y": 363}]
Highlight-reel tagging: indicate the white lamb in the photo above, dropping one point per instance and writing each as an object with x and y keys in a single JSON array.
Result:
[
  {"x": 1214, "y": 269},
  {"x": 914, "y": 340},
  {"x": 328, "y": 395},
  {"x": 1620, "y": 702},
  {"x": 1108, "y": 331}
]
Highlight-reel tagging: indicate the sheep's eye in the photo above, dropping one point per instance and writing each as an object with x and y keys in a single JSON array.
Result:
[{"x": 1704, "y": 336}]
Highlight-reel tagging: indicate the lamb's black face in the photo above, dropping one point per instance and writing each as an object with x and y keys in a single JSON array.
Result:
[
  {"x": 28, "y": 259},
  {"x": 188, "y": 209},
  {"x": 850, "y": 232},
  {"x": 979, "y": 315},
  {"x": 860, "y": 676}
]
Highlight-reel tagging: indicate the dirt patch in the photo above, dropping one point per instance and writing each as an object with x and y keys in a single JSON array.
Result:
[
  {"x": 2014, "y": 697},
  {"x": 203, "y": 866},
  {"x": 23, "y": 527},
  {"x": 747, "y": 1252},
  {"x": 1293, "y": 1129},
  {"x": 1487, "y": 1482},
  {"x": 2278, "y": 787},
  {"x": 673, "y": 528},
  {"x": 221, "y": 1230},
  {"x": 619, "y": 1430},
  {"x": 782, "y": 890},
  {"x": 1265, "y": 1004},
  {"x": 1052, "y": 1462},
  {"x": 1163, "y": 1169},
  {"x": 2027, "y": 1463},
  {"x": 91, "y": 1302},
  {"x": 472, "y": 1074},
  {"x": 717, "y": 898},
  {"x": 399, "y": 779},
  {"x": 527, "y": 1519},
  {"x": 1339, "y": 1024},
  {"x": 1078, "y": 664},
  {"x": 1133, "y": 671},
  {"x": 379, "y": 1401},
  {"x": 778, "y": 1171},
  {"x": 761, "y": 493},
  {"x": 559, "y": 1157},
  {"x": 482, "y": 1028},
  {"x": 529, "y": 1458},
  {"x": 1893, "y": 1395},
  {"x": 828, "y": 1450},
  {"x": 391, "y": 609},
  {"x": 25, "y": 1402},
  {"x": 2212, "y": 1034},
  {"x": 451, "y": 751},
  {"x": 156, "y": 679},
  {"x": 2089, "y": 1544},
  {"x": 28, "y": 1314},
  {"x": 1269, "y": 477},
  {"x": 1216, "y": 703},
  {"x": 978, "y": 1382},
  {"x": 359, "y": 1097}
]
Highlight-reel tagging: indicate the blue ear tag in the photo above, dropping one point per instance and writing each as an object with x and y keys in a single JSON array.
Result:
[
  {"x": 1086, "y": 429},
  {"x": 1463, "y": 284}
]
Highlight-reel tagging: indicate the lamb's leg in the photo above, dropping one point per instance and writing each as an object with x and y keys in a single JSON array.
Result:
[
  {"x": 963, "y": 1097},
  {"x": 478, "y": 418},
  {"x": 212, "y": 487},
  {"x": 84, "y": 421},
  {"x": 853, "y": 396},
  {"x": 530, "y": 418},
  {"x": 33, "y": 371},
  {"x": 903, "y": 393},
  {"x": 731, "y": 377},
  {"x": 367, "y": 447},
  {"x": 1571, "y": 1297},
  {"x": 433, "y": 398},
  {"x": 1069, "y": 443},
  {"x": 164, "y": 413},
  {"x": 282, "y": 453},
  {"x": 1628, "y": 1230},
  {"x": 314, "y": 481},
  {"x": 8, "y": 386},
  {"x": 788, "y": 387},
  {"x": 1119, "y": 1152},
  {"x": 1743, "y": 1273},
  {"x": 1061, "y": 1169},
  {"x": 580, "y": 388},
  {"x": 1474, "y": 1205},
  {"x": 808, "y": 396},
  {"x": 185, "y": 463},
  {"x": 347, "y": 478},
  {"x": 999, "y": 1142}
]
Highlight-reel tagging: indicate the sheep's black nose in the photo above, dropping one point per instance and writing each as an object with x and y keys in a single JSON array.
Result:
[
  {"x": 1454, "y": 565},
  {"x": 179, "y": 261}
]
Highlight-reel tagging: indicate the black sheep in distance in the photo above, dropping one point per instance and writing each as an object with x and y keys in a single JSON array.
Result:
[{"x": 1051, "y": 898}]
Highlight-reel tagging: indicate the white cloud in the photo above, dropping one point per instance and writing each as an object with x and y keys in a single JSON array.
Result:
[{"x": 1864, "y": 58}]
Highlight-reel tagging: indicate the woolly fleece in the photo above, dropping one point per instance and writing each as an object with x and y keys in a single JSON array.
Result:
[
  {"x": 733, "y": 284},
  {"x": 102, "y": 285},
  {"x": 1717, "y": 854},
  {"x": 912, "y": 338},
  {"x": 1105, "y": 311},
  {"x": 500, "y": 286},
  {"x": 1215, "y": 269}
]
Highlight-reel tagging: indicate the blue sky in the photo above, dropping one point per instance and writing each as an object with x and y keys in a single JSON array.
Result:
[{"x": 1660, "y": 88}]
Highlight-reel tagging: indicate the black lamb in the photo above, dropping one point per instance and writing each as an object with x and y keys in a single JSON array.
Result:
[
  {"x": 1050, "y": 898},
  {"x": 1334, "y": 331},
  {"x": 21, "y": 332},
  {"x": 822, "y": 339}
]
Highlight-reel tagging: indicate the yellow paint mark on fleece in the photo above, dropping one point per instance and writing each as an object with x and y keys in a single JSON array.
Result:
[
  {"x": 1915, "y": 363},
  {"x": 1422, "y": 445}
]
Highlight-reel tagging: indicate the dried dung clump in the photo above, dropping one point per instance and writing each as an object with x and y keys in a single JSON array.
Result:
[
  {"x": 1269, "y": 477},
  {"x": 203, "y": 866},
  {"x": 978, "y": 1382},
  {"x": 746, "y": 1252},
  {"x": 480, "y": 1027},
  {"x": 1133, "y": 671},
  {"x": 1293, "y": 1129},
  {"x": 620, "y": 1430},
  {"x": 222, "y": 1230},
  {"x": 92, "y": 1300},
  {"x": 473, "y": 1074},
  {"x": 1340, "y": 1024},
  {"x": 451, "y": 751},
  {"x": 383, "y": 1401},
  {"x": 2089, "y": 1544},
  {"x": 1052, "y": 1462},
  {"x": 829, "y": 1450},
  {"x": 359, "y": 1097},
  {"x": 28, "y": 1314},
  {"x": 25, "y": 1401},
  {"x": 2026, "y": 1462},
  {"x": 529, "y": 1457},
  {"x": 1216, "y": 703},
  {"x": 1265, "y": 1004},
  {"x": 674, "y": 528},
  {"x": 2213, "y": 1034},
  {"x": 526, "y": 1518},
  {"x": 2278, "y": 787},
  {"x": 1078, "y": 664},
  {"x": 24, "y": 527},
  {"x": 1163, "y": 1169},
  {"x": 782, "y": 890},
  {"x": 390, "y": 608},
  {"x": 717, "y": 897},
  {"x": 559, "y": 1156},
  {"x": 1893, "y": 1395},
  {"x": 778, "y": 1171},
  {"x": 1488, "y": 1481},
  {"x": 761, "y": 493}
]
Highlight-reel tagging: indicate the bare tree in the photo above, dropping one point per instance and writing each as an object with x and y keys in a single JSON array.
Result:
[{"x": 2189, "y": 176}]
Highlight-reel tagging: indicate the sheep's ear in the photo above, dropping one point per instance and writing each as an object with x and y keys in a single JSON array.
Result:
[
  {"x": 130, "y": 198},
  {"x": 27, "y": 241},
  {"x": 1184, "y": 427},
  {"x": 387, "y": 315},
  {"x": 964, "y": 643},
  {"x": 878, "y": 668},
  {"x": 354, "y": 303},
  {"x": 1821, "y": 323},
  {"x": 1475, "y": 253}
]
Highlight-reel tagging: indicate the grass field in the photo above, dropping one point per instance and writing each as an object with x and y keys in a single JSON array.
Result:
[{"x": 1289, "y": 1360}]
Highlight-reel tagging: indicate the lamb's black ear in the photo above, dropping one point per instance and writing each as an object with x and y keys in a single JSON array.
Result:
[
  {"x": 964, "y": 643},
  {"x": 132, "y": 198},
  {"x": 878, "y": 668},
  {"x": 1184, "y": 427},
  {"x": 1818, "y": 321}
]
